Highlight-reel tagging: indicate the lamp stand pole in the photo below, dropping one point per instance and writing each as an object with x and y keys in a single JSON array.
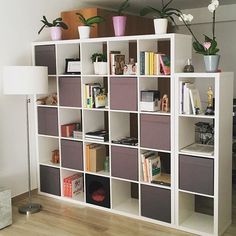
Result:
[{"x": 30, "y": 207}]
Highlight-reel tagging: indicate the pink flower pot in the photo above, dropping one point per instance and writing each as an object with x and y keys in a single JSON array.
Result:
[
  {"x": 55, "y": 33},
  {"x": 119, "y": 23}
]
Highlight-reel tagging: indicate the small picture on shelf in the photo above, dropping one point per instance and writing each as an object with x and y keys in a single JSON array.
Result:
[
  {"x": 119, "y": 64},
  {"x": 130, "y": 68},
  {"x": 73, "y": 66},
  {"x": 165, "y": 64}
]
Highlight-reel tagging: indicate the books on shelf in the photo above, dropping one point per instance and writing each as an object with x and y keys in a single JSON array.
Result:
[
  {"x": 189, "y": 102},
  {"x": 97, "y": 135},
  {"x": 68, "y": 129},
  {"x": 95, "y": 157},
  {"x": 150, "y": 63},
  {"x": 198, "y": 148},
  {"x": 112, "y": 61},
  {"x": 94, "y": 96},
  {"x": 73, "y": 185},
  {"x": 151, "y": 166}
]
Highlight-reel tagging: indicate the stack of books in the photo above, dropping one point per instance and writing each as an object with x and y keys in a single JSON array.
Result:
[
  {"x": 68, "y": 129},
  {"x": 97, "y": 135}
]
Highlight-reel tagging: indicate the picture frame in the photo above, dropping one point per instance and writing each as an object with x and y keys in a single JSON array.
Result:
[{"x": 73, "y": 66}]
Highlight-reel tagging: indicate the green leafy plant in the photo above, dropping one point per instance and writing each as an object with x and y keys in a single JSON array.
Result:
[
  {"x": 99, "y": 57},
  {"x": 90, "y": 21},
  {"x": 124, "y": 5},
  {"x": 165, "y": 11},
  {"x": 55, "y": 23},
  {"x": 209, "y": 46}
]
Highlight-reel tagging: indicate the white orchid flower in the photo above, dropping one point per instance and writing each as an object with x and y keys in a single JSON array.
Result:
[
  {"x": 214, "y": 4},
  {"x": 186, "y": 17}
]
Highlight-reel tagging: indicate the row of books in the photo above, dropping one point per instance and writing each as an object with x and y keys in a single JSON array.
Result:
[
  {"x": 152, "y": 63},
  {"x": 95, "y": 157},
  {"x": 73, "y": 185},
  {"x": 95, "y": 96},
  {"x": 151, "y": 166},
  {"x": 190, "y": 102},
  {"x": 71, "y": 130}
]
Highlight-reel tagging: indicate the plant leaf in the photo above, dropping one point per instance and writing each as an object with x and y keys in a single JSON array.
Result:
[
  {"x": 41, "y": 29},
  {"x": 167, "y": 4},
  {"x": 94, "y": 20},
  {"x": 81, "y": 17},
  {"x": 147, "y": 10},
  {"x": 123, "y": 6}
]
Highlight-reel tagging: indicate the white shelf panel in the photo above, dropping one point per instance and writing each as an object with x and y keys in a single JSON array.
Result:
[
  {"x": 196, "y": 154},
  {"x": 195, "y": 193},
  {"x": 96, "y": 109},
  {"x": 51, "y": 106},
  {"x": 122, "y": 145},
  {"x": 154, "y": 76},
  {"x": 125, "y": 180},
  {"x": 72, "y": 170},
  {"x": 124, "y": 111},
  {"x": 72, "y": 139},
  {"x": 156, "y": 185},
  {"x": 49, "y": 163},
  {"x": 69, "y": 75},
  {"x": 201, "y": 223},
  {"x": 131, "y": 206},
  {"x": 197, "y": 116},
  {"x": 65, "y": 107},
  {"x": 47, "y": 136},
  {"x": 161, "y": 113},
  {"x": 87, "y": 140},
  {"x": 155, "y": 150},
  {"x": 124, "y": 76},
  {"x": 78, "y": 198},
  {"x": 99, "y": 173},
  {"x": 93, "y": 75}
]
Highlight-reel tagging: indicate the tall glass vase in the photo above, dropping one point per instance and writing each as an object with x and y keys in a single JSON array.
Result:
[{"x": 211, "y": 63}]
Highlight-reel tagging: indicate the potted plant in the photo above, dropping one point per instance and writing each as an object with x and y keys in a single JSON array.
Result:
[
  {"x": 209, "y": 47},
  {"x": 55, "y": 27},
  {"x": 100, "y": 63},
  {"x": 84, "y": 30},
  {"x": 161, "y": 16},
  {"x": 119, "y": 21}
]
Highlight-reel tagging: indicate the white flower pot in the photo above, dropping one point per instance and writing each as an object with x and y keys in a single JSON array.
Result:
[
  {"x": 84, "y": 32},
  {"x": 160, "y": 26},
  {"x": 100, "y": 68}
]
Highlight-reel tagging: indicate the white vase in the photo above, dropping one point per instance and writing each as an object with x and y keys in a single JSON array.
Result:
[
  {"x": 84, "y": 32},
  {"x": 100, "y": 68},
  {"x": 160, "y": 25},
  {"x": 55, "y": 33}
]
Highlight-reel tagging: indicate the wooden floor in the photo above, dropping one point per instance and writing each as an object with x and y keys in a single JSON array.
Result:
[{"x": 60, "y": 218}]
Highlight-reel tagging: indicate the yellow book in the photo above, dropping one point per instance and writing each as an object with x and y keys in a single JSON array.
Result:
[
  {"x": 151, "y": 59},
  {"x": 156, "y": 64}
]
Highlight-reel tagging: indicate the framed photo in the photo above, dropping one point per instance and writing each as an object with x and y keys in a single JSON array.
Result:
[{"x": 73, "y": 66}]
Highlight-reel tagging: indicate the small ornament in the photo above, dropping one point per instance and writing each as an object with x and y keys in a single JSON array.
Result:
[
  {"x": 165, "y": 103},
  {"x": 209, "y": 109},
  {"x": 189, "y": 67}
]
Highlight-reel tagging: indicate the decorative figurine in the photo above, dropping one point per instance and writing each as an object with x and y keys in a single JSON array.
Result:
[
  {"x": 209, "y": 109},
  {"x": 165, "y": 103},
  {"x": 55, "y": 156},
  {"x": 189, "y": 67}
]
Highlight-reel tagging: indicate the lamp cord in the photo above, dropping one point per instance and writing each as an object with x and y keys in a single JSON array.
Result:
[{"x": 28, "y": 147}]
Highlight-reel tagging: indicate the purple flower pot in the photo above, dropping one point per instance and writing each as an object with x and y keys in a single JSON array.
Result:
[
  {"x": 55, "y": 33},
  {"x": 119, "y": 23}
]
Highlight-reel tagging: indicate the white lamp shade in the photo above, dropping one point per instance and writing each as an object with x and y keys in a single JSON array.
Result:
[{"x": 25, "y": 80}]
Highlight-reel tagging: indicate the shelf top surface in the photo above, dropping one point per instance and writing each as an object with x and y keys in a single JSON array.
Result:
[{"x": 110, "y": 39}]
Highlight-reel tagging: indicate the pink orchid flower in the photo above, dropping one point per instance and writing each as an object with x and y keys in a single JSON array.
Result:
[{"x": 207, "y": 45}]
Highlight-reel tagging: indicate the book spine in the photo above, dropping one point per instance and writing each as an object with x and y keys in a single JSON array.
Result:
[
  {"x": 156, "y": 64},
  {"x": 142, "y": 63},
  {"x": 146, "y": 70},
  {"x": 151, "y": 63},
  {"x": 144, "y": 168}
]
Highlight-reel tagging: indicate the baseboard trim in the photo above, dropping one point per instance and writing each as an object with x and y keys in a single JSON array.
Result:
[{"x": 24, "y": 195}]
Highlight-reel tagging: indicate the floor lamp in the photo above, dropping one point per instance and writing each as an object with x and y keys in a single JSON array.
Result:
[{"x": 26, "y": 80}]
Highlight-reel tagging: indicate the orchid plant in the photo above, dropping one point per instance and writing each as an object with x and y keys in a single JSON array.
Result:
[{"x": 209, "y": 47}]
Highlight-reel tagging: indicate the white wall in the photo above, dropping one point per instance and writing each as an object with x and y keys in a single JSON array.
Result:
[
  {"x": 225, "y": 35},
  {"x": 20, "y": 22}
]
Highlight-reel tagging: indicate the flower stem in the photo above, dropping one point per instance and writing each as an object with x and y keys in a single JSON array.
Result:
[
  {"x": 188, "y": 27},
  {"x": 213, "y": 24}
]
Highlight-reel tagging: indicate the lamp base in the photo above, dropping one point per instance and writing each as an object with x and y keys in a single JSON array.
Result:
[{"x": 30, "y": 208}]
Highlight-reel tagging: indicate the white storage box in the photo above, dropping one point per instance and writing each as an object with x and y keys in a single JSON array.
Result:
[
  {"x": 150, "y": 106},
  {"x": 5, "y": 208}
]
